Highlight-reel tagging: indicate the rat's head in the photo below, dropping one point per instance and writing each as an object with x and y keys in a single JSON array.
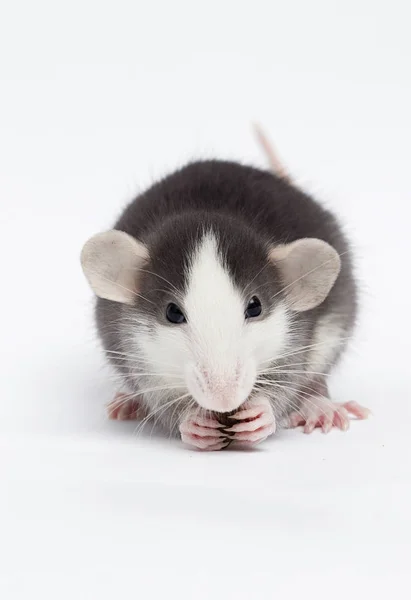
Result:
[{"x": 212, "y": 304}]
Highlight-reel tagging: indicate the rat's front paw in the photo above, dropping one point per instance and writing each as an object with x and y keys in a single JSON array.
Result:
[
  {"x": 254, "y": 422},
  {"x": 203, "y": 432}
]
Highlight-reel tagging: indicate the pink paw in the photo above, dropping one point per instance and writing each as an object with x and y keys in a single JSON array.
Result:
[
  {"x": 255, "y": 421},
  {"x": 203, "y": 432},
  {"x": 125, "y": 408},
  {"x": 321, "y": 412}
]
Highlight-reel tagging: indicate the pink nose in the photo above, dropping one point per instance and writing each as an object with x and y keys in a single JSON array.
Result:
[
  {"x": 218, "y": 392},
  {"x": 225, "y": 400}
]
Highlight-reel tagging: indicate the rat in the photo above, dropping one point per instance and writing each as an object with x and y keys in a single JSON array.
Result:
[{"x": 225, "y": 297}]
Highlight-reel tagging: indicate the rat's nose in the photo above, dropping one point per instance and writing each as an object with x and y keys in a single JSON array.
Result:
[{"x": 221, "y": 391}]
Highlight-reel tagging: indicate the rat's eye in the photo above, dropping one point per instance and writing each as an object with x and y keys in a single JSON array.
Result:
[
  {"x": 253, "y": 308},
  {"x": 174, "y": 314}
]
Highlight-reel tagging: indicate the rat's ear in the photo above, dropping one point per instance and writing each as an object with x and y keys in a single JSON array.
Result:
[
  {"x": 308, "y": 268},
  {"x": 110, "y": 262}
]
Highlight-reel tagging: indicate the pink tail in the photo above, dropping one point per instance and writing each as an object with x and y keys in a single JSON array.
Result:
[{"x": 273, "y": 159}]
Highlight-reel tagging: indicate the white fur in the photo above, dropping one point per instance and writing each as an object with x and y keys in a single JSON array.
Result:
[
  {"x": 326, "y": 342},
  {"x": 217, "y": 351}
]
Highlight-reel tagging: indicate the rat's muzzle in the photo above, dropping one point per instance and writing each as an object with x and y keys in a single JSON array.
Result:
[{"x": 218, "y": 390}]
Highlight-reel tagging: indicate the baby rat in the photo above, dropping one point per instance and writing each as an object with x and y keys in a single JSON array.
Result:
[{"x": 225, "y": 296}]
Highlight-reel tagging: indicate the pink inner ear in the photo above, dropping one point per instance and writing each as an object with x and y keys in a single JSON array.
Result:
[
  {"x": 110, "y": 262},
  {"x": 309, "y": 268}
]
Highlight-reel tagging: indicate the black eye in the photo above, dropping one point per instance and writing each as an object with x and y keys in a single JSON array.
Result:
[
  {"x": 174, "y": 314},
  {"x": 253, "y": 308}
]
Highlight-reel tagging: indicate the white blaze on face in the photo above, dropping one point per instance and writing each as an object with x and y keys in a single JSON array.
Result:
[
  {"x": 219, "y": 375},
  {"x": 217, "y": 351}
]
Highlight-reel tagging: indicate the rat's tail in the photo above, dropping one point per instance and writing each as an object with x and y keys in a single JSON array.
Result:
[{"x": 273, "y": 159}]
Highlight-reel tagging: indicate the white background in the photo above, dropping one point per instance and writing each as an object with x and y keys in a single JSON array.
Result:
[{"x": 97, "y": 99}]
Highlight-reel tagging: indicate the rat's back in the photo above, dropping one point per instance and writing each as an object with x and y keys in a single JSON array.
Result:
[{"x": 269, "y": 204}]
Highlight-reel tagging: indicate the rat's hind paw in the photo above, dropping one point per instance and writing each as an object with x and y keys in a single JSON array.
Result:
[
  {"x": 253, "y": 423},
  {"x": 123, "y": 407},
  {"x": 202, "y": 432},
  {"x": 321, "y": 412}
]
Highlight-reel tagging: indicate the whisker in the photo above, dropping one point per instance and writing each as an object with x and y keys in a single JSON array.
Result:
[
  {"x": 161, "y": 408},
  {"x": 307, "y": 396},
  {"x": 304, "y": 348},
  {"x": 255, "y": 277},
  {"x": 299, "y": 364},
  {"x": 174, "y": 411},
  {"x": 163, "y": 278},
  {"x": 292, "y": 372},
  {"x": 161, "y": 388},
  {"x": 137, "y": 359}
]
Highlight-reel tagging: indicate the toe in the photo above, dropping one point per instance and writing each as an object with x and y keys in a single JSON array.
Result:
[
  {"x": 341, "y": 419},
  {"x": 207, "y": 423},
  {"x": 310, "y": 425},
  {"x": 219, "y": 446},
  {"x": 327, "y": 423},
  {"x": 112, "y": 411},
  {"x": 249, "y": 413},
  {"x": 121, "y": 406},
  {"x": 198, "y": 442},
  {"x": 357, "y": 410},
  {"x": 254, "y": 436},
  {"x": 253, "y": 408},
  {"x": 203, "y": 432},
  {"x": 115, "y": 410},
  {"x": 254, "y": 425},
  {"x": 123, "y": 412},
  {"x": 192, "y": 428},
  {"x": 204, "y": 443},
  {"x": 295, "y": 420}
]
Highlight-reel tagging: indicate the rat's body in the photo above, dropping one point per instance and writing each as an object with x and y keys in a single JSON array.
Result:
[{"x": 260, "y": 307}]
